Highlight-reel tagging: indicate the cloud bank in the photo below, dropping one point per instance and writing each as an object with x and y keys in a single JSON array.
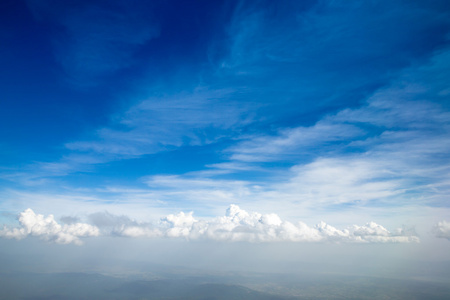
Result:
[
  {"x": 241, "y": 226},
  {"x": 442, "y": 230},
  {"x": 237, "y": 225},
  {"x": 46, "y": 228}
]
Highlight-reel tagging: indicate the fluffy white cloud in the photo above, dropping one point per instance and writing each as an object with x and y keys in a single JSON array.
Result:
[
  {"x": 48, "y": 229},
  {"x": 237, "y": 225},
  {"x": 442, "y": 230},
  {"x": 178, "y": 225},
  {"x": 240, "y": 225}
]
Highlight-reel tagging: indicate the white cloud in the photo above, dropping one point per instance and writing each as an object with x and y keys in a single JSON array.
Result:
[
  {"x": 442, "y": 230},
  {"x": 161, "y": 123},
  {"x": 152, "y": 125},
  {"x": 48, "y": 229},
  {"x": 237, "y": 225},
  {"x": 293, "y": 142},
  {"x": 341, "y": 180},
  {"x": 357, "y": 179},
  {"x": 137, "y": 231},
  {"x": 196, "y": 188},
  {"x": 240, "y": 225},
  {"x": 178, "y": 225},
  {"x": 394, "y": 146}
]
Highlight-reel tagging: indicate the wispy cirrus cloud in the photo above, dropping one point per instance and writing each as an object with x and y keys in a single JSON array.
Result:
[
  {"x": 157, "y": 124},
  {"x": 166, "y": 122},
  {"x": 318, "y": 29},
  {"x": 98, "y": 39},
  {"x": 240, "y": 89},
  {"x": 321, "y": 59},
  {"x": 294, "y": 142},
  {"x": 391, "y": 151},
  {"x": 393, "y": 146}
]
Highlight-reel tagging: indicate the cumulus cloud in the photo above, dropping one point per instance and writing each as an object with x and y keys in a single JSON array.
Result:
[
  {"x": 237, "y": 225},
  {"x": 240, "y": 225},
  {"x": 48, "y": 229},
  {"x": 442, "y": 230}
]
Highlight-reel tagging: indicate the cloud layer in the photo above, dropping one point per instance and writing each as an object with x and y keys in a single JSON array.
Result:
[
  {"x": 48, "y": 229},
  {"x": 240, "y": 225},
  {"x": 442, "y": 230},
  {"x": 236, "y": 226}
]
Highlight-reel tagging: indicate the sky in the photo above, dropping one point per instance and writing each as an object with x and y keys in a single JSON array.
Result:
[{"x": 288, "y": 124}]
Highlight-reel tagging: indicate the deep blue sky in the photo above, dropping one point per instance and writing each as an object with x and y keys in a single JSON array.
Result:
[{"x": 312, "y": 110}]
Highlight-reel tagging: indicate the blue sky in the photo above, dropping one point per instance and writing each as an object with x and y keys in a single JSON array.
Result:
[{"x": 189, "y": 119}]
